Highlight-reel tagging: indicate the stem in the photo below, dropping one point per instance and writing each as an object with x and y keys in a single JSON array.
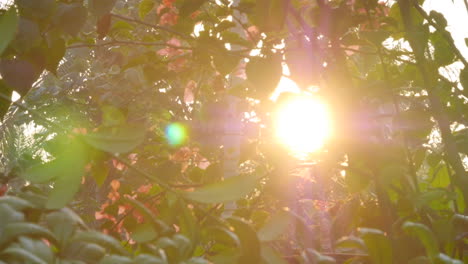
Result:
[{"x": 466, "y": 4}]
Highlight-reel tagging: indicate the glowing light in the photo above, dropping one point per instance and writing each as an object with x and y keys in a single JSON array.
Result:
[
  {"x": 303, "y": 124},
  {"x": 176, "y": 134}
]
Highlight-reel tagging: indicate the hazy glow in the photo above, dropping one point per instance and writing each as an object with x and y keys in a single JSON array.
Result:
[
  {"x": 176, "y": 134},
  {"x": 303, "y": 124}
]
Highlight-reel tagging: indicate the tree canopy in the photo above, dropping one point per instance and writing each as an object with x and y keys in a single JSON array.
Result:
[{"x": 144, "y": 132}]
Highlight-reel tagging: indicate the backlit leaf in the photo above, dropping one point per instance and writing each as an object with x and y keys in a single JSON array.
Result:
[
  {"x": 119, "y": 139},
  {"x": 101, "y": 7},
  {"x": 250, "y": 245},
  {"x": 230, "y": 189},
  {"x": 275, "y": 226},
  {"x": 15, "y": 230},
  {"x": 22, "y": 254},
  {"x": 115, "y": 259},
  {"x": 100, "y": 239},
  {"x": 378, "y": 245},
  {"x": 8, "y": 26},
  {"x": 145, "y": 7},
  {"x": 188, "y": 7},
  {"x": 70, "y": 18},
  {"x": 270, "y": 256},
  {"x": 425, "y": 236},
  {"x": 264, "y": 74},
  {"x": 144, "y": 233}
]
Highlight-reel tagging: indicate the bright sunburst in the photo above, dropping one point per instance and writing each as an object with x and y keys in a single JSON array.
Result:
[{"x": 303, "y": 124}]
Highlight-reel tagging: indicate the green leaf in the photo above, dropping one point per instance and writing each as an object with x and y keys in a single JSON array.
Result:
[
  {"x": 375, "y": 37},
  {"x": 439, "y": 18},
  {"x": 22, "y": 254},
  {"x": 420, "y": 260},
  {"x": 223, "y": 236},
  {"x": 443, "y": 54},
  {"x": 351, "y": 243},
  {"x": 36, "y": 8},
  {"x": 115, "y": 259},
  {"x": 275, "y": 226},
  {"x": 188, "y": 7},
  {"x": 378, "y": 245},
  {"x": 15, "y": 230},
  {"x": 184, "y": 245},
  {"x": 70, "y": 18},
  {"x": 224, "y": 62},
  {"x": 145, "y": 7},
  {"x": 61, "y": 224},
  {"x": 425, "y": 235},
  {"x": 148, "y": 259},
  {"x": 270, "y": 256},
  {"x": 101, "y": 7},
  {"x": 8, "y": 26},
  {"x": 120, "y": 139},
  {"x": 264, "y": 74},
  {"x": 55, "y": 52},
  {"x": 43, "y": 173},
  {"x": 37, "y": 247},
  {"x": 27, "y": 37},
  {"x": 269, "y": 14},
  {"x": 112, "y": 116},
  {"x": 428, "y": 197},
  {"x": 170, "y": 248},
  {"x": 101, "y": 239},
  {"x": 442, "y": 258},
  {"x": 87, "y": 252},
  {"x": 68, "y": 176},
  {"x": 459, "y": 219},
  {"x": 250, "y": 245},
  {"x": 197, "y": 260},
  {"x": 464, "y": 80},
  {"x": 230, "y": 189},
  {"x": 144, "y": 233},
  {"x": 16, "y": 203},
  {"x": 9, "y": 215},
  {"x": 313, "y": 256}
]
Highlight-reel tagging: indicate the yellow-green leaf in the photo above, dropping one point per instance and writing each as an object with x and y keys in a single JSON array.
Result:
[{"x": 228, "y": 190}]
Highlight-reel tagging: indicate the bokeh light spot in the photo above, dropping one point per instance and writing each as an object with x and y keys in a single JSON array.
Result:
[{"x": 176, "y": 134}]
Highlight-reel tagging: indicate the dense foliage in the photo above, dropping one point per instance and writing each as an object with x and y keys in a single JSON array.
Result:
[{"x": 144, "y": 133}]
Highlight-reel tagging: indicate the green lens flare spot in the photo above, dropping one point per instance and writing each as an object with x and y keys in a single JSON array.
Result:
[{"x": 176, "y": 134}]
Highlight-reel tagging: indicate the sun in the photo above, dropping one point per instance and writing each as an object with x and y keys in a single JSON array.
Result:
[{"x": 303, "y": 124}]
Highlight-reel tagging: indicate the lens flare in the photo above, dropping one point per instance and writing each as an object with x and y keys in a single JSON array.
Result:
[
  {"x": 303, "y": 124},
  {"x": 176, "y": 134}
]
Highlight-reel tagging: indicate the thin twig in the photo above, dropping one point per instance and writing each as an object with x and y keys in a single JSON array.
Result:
[
  {"x": 157, "y": 27},
  {"x": 127, "y": 42}
]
